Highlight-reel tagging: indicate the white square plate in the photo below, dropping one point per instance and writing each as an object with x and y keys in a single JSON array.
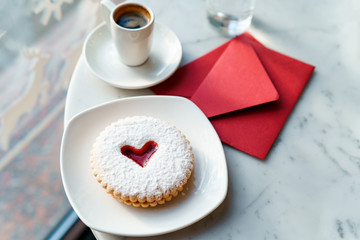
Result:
[{"x": 206, "y": 189}]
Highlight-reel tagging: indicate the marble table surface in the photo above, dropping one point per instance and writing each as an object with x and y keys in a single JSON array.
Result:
[{"x": 309, "y": 185}]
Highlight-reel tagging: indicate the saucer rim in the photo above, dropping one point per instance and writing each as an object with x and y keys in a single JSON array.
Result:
[{"x": 133, "y": 87}]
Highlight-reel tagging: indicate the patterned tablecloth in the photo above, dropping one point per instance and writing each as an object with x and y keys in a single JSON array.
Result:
[{"x": 40, "y": 42}]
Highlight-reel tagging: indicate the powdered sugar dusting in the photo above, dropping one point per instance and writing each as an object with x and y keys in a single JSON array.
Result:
[{"x": 167, "y": 168}]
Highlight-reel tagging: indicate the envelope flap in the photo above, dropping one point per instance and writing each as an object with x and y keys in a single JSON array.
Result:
[{"x": 237, "y": 80}]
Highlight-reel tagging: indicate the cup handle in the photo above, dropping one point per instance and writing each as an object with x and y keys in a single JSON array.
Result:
[{"x": 106, "y": 7}]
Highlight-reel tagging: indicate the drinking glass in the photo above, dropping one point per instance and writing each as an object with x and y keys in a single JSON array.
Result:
[{"x": 230, "y": 17}]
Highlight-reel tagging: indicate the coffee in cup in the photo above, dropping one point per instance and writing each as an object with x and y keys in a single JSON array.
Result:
[{"x": 132, "y": 16}]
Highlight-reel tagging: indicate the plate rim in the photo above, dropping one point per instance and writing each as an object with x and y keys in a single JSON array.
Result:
[
  {"x": 155, "y": 233},
  {"x": 103, "y": 24}
]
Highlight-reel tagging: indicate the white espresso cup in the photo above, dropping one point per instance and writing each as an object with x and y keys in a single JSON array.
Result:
[{"x": 131, "y": 25}]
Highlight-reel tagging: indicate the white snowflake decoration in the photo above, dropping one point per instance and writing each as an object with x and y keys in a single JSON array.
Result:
[{"x": 50, "y": 7}]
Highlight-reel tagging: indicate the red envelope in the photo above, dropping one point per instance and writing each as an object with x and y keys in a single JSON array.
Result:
[
  {"x": 236, "y": 81},
  {"x": 252, "y": 129}
]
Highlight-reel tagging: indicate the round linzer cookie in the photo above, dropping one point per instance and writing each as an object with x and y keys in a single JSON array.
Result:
[{"x": 142, "y": 161}]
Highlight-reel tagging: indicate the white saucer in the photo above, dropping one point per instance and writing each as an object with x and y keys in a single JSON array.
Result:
[
  {"x": 204, "y": 192},
  {"x": 102, "y": 59}
]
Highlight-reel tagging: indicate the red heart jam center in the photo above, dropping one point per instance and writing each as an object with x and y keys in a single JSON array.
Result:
[{"x": 140, "y": 156}]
